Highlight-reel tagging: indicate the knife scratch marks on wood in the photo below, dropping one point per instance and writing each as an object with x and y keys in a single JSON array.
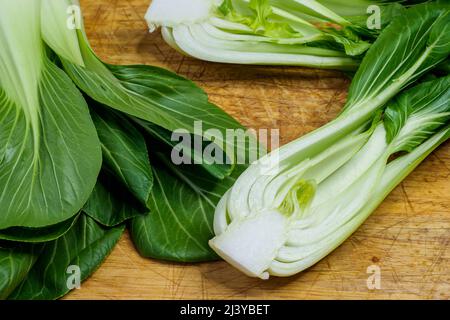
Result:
[
  {"x": 177, "y": 275},
  {"x": 394, "y": 240},
  {"x": 406, "y": 198},
  {"x": 180, "y": 64},
  {"x": 443, "y": 163}
]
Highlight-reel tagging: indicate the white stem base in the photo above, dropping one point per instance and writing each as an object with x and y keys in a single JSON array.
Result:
[
  {"x": 170, "y": 13},
  {"x": 251, "y": 244}
]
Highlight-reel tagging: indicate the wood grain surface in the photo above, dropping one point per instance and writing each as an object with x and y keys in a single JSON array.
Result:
[{"x": 408, "y": 236}]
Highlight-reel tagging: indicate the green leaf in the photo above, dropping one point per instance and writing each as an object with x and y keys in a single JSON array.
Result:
[
  {"x": 149, "y": 93},
  {"x": 185, "y": 148},
  {"x": 36, "y": 235},
  {"x": 443, "y": 68},
  {"x": 124, "y": 150},
  {"x": 411, "y": 45},
  {"x": 418, "y": 113},
  {"x": 352, "y": 44},
  {"x": 15, "y": 262},
  {"x": 49, "y": 151},
  {"x": 264, "y": 22},
  {"x": 228, "y": 11},
  {"x": 181, "y": 205},
  {"x": 262, "y": 9},
  {"x": 226, "y": 7},
  {"x": 86, "y": 245},
  {"x": 123, "y": 188},
  {"x": 111, "y": 203},
  {"x": 388, "y": 12}
]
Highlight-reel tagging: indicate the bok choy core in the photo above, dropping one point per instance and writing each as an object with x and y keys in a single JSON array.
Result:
[
  {"x": 283, "y": 216},
  {"x": 288, "y": 32}
]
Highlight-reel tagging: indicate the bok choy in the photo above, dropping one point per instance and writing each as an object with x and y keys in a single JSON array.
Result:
[
  {"x": 49, "y": 150},
  {"x": 147, "y": 93},
  {"x": 297, "y": 204},
  {"x": 81, "y": 143},
  {"x": 86, "y": 148},
  {"x": 146, "y": 104},
  {"x": 325, "y": 34}
]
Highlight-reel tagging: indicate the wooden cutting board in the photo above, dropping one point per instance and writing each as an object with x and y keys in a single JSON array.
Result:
[{"x": 407, "y": 237}]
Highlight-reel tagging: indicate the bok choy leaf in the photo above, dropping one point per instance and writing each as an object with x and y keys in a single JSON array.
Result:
[
  {"x": 123, "y": 187},
  {"x": 85, "y": 246},
  {"x": 112, "y": 204},
  {"x": 49, "y": 151},
  {"x": 37, "y": 235},
  {"x": 52, "y": 146},
  {"x": 155, "y": 102},
  {"x": 180, "y": 221},
  {"x": 15, "y": 263},
  {"x": 148, "y": 93},
  {"x": 125, "y": 154}
]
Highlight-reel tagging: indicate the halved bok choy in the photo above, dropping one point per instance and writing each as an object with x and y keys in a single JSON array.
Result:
[
  {"x": 301, "y": 214},
  {"x": 269, "y": 32},
  {"x": 297, "y": 204}
]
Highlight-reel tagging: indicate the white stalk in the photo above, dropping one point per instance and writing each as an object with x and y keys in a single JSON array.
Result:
[
  {"x": 59, "y": 23},
  {"x": 188, "y": 43},
  {"x": 280, "y": 224},
  {"x": 248, "y": 246},
  {"x": 170, "y": 13},
  {"x": 393, "y": 174},
  {"x": 20, "y": 68}
]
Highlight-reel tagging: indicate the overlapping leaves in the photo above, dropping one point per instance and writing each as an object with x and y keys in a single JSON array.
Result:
[{"x": 56, "y": 145}]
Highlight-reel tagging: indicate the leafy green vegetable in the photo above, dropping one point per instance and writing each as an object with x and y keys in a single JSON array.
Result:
[
  {"x": 152, "y": 100},
  {"x": 297, "y": 216},
  {"x": 156, "y": 101},
  {"x": 420, "y": 40},
  {"x": 125, "y": 153},
  {"x": 52, "y": 143},
  {"x": 85, "y": 246},
  {"x": 36, "y": 235},
  {"x": 283, "y": 219},
  {"x": 111, "y": 203},
  {"x": 277, "y": 217},
  {"x": 393, "y": 174},
  {"x": 324, "y": 34},
  {"x": 151, "y": 94},
  {"x": 49, "y": 151},
  {"x": 183, "y": 198},
  {"x": 428, "y": 106},
  {"x": 185, "y": 149},
  {"x": 181, "y": 204},
  {"x": 15, "y": 263},
  {"x": 148, "y": 93}
]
